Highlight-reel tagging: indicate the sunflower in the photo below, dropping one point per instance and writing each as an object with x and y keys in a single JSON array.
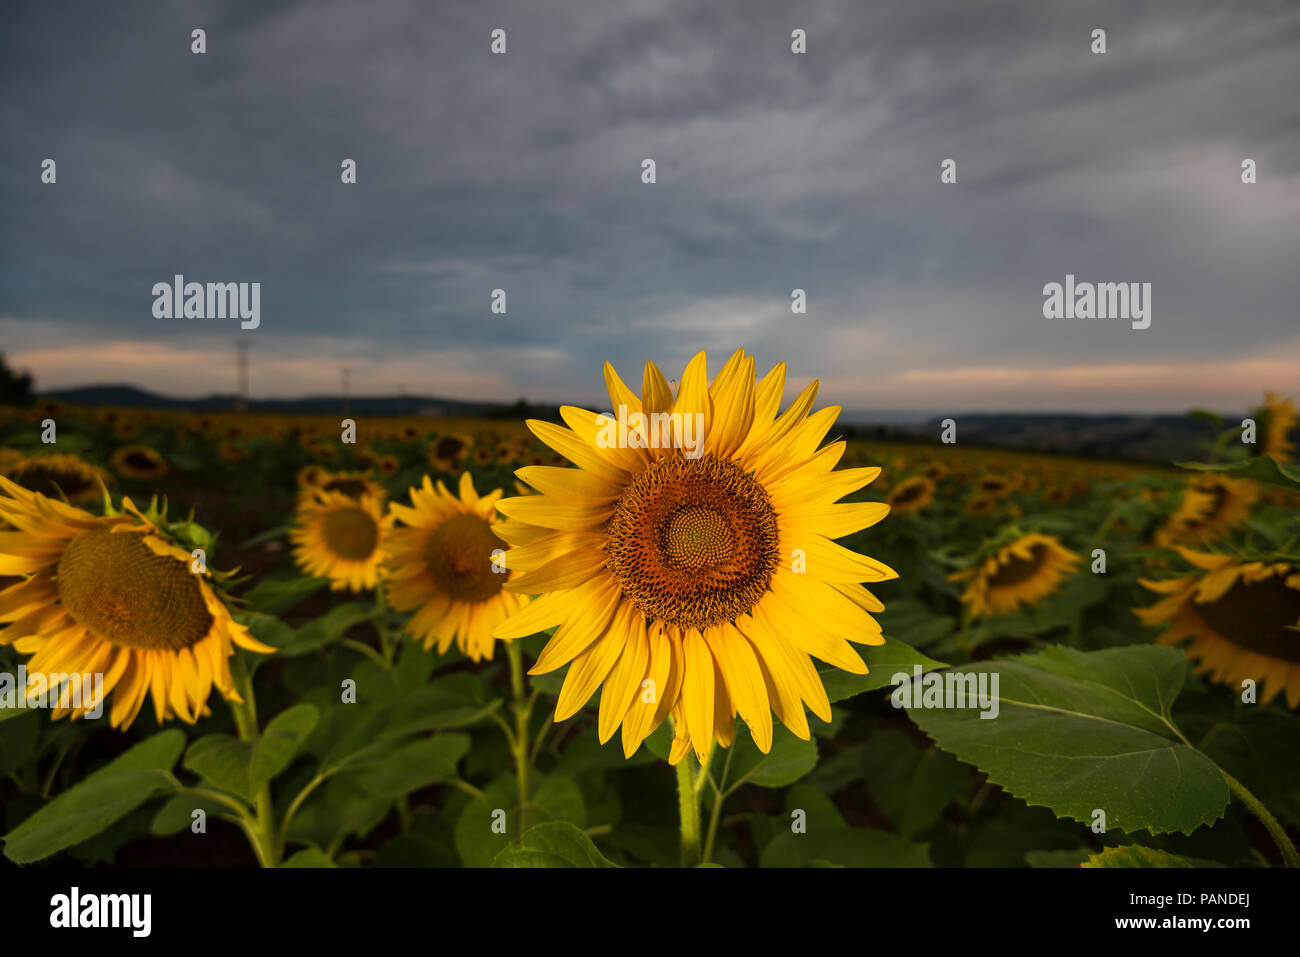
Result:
[
  {"x": 139, "y": 462},
  {"x": 1243, "y": 619},
  {"x": 447, "y": 564},
  {"x": 351, "y": 484},
  {"x": 995, "y": 485},
  {"x": 1211, "y": 506},
  {"x": 114, "y": 596},
  {"x": 1282, "y": 418},
  {"x": 1022, "y": 572},
  {"x": 979, "y": 505},
  {"x": 446, "y": 452},
  {"x": 911, "y": 495},
  {"x": 340, "y": 538},
  {"x": 388, "y": 465},
  {"x": 689, "y": 563},
  {"x": 59, "y": 475},
  {"x": 311, "y": 475}
]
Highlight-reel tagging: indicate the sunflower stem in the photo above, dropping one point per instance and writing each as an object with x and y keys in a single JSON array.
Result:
[
  {"x": 245, "y": 713},
  {"x": 1290, "y": 857},
  {"x": 719, "y": 796},
  {"x": 386, "y": 648},
  {"x": 519, "y": 741},
  {"x": 688, "y": 797}
]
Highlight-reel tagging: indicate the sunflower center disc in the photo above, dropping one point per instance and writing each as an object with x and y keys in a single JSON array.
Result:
[
  {"x": 460, "y": 558},
  {"x": 1256, "y": 616},
  {"x": 693, "y": 542},
  {"x": 350, "y": 533},
  {"x": 116, "y": 588},
  {"x": 1019, "y": 569}
]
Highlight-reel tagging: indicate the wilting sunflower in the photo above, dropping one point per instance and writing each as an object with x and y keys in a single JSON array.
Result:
[
  {"x": 114, "y": 596},
  {"x": 340, "y": 538},
  {"x": 1241, "y": 619},
  {"x": 1282, "y": 418},
  {"x": 447, "y": 564},
  {"x": 446, "y": 452},
  {"x": 689, "y": 562},
  {"x": 1211, "y": 506},
  {"x": 139, "y": 462},
  {"x": 1022, "y": 572},
  {"x": 58, "y": 476},
  {"x": 911, "y": 495}
]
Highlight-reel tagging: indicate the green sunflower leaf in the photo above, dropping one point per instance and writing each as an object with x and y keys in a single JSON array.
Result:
[
  {"x": 1261, "y": 468},
  {"x": 222, "y": 760},
  {"x": 552, "y": 844},
  {"x": 1135, "y": 855},
  {"x": 1082, "y": 732},
  {"x": 101, "y": 799},
  {"x": 883, "y": 662},
  {"x": 280, "y": 742}
]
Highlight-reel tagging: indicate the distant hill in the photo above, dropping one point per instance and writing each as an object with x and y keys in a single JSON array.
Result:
[
  {"x": 1152, "y": 438},
  {"x": 127, "y": 396}
]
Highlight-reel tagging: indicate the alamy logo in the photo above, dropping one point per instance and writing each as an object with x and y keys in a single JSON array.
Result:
[
  {"x": 133, "y": 911},
  {"x": 656, "y": 430},
  {"x": 1103, "y": 300},
  {"x": 55, "y": 690},
  {"x": 950, "y": 689},
  {"x": 214, "y": 300}
]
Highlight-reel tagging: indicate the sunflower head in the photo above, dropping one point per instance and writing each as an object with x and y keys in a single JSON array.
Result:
[
  {"x": 120, "y": 596},
  {"x": 355, "y": 485},
  {"x": 688, "y": 562},
  {"x": 1240, "y": 619},
  {"x": 1018, "y": 569},
  {"x": 448, "y": 567},
  {"x": 447, "y": 452},
  {"x": 341, "y": 538},
  {"x": 139, "y": 462},
  {"x": 59, "y": 475},
  {"x": 912, "y": 494},
  {"x": 1281, "y": 418},
  {"x": 1211, "y": 506}
]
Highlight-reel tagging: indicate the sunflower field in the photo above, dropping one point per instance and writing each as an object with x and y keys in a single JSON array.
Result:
[{"x": 704, "y": 626}]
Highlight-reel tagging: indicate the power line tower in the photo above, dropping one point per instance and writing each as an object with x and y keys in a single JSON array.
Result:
[{"x": 346, "y": 374}]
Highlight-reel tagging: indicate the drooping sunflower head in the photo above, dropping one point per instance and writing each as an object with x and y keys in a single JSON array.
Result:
[
  {"x": 115, "y": 596},
  {"x": 448, "y": 567},
  {"x": 911, "y": 495},
  {"x": 690, "y": 561},
  {"x": 1241, "y": 620},
  {"x": 1211, "y": 506},
  {"x": 1021, "y": 572},
  {"x": 340, "y": 538},
  {"x": 139, "y": 462},
  {"x": 59, "y": 475}
]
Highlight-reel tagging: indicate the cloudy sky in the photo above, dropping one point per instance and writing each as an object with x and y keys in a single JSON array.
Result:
[{"x": 775, "y": 171}]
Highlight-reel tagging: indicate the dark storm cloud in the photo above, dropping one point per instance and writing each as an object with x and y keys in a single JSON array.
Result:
[{"x": 775, "y": 171}]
